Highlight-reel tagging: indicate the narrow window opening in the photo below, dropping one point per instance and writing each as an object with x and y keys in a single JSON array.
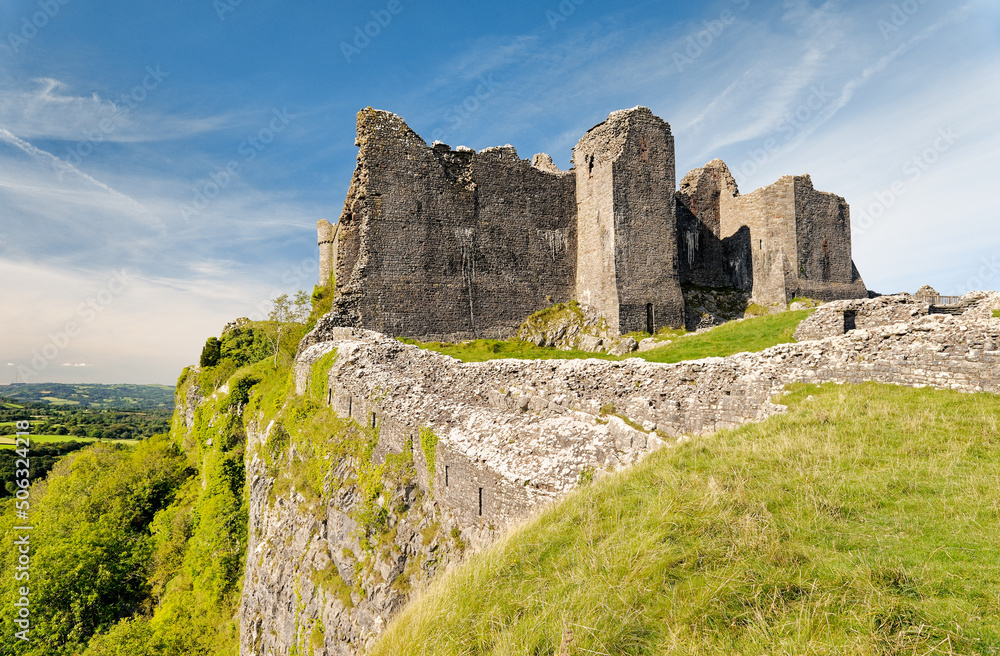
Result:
[
  {"x": 590, "y": 168},
  {"x": 649, "y": 318},
  {"x": 850, "y": 317},
  {"x": 760, "y": 243},
  {"x": 373, "y": 419},
  {"x": 480, "y": 502},
  {"x": 329, "y": 396},
  {"x": 446, "y": 475},
  {"x": 350, "y": 406}
]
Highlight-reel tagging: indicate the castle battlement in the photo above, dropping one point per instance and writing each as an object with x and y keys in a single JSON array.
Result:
[{"x": 445, "y": 244}]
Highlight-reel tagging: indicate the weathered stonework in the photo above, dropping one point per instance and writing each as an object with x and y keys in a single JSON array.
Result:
[
  {"x": 523, "y": 431},
  {"x": 625, "y": 215},
  {"x": 450, "y": 244},
  {"x": 327, "y": 236},
  {"x": 783, "y": 241},
  {"x": 443, "y": 244},
  {"x": 516, "y": 434}
]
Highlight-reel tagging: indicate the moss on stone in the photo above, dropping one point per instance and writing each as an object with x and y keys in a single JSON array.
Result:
[
  {"x": 428, "y": 444},
  {"x": 329, "y": 580}
]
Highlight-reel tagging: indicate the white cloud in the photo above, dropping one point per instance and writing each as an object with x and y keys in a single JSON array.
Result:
[{"x": 47, "y": 109}]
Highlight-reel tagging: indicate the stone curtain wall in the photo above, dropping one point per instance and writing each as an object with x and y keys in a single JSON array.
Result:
[
  {"x": 829, "y": 319},
  {"x": 442, "y": 244},
  {"x": 769, "y": 212},
  {"x": 515, "y": 434},
  {"x": 824, "y": 268},
  {"x": 796, "y": 241},
  {"x": 525, "y": 431}
]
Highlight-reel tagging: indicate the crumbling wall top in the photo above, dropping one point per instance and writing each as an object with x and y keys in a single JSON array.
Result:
[{"x": 380, "y": 125}]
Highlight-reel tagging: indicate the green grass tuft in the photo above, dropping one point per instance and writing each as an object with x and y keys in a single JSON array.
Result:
[
  {"x": 752, "y": 335},
  {"x": 480, "y": 350},
  {"x": 864, "y": 521},
  {"x": 428, "y": 444}
]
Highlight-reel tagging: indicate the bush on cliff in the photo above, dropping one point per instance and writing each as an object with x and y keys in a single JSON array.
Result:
[{"x": 862, "y": 522}]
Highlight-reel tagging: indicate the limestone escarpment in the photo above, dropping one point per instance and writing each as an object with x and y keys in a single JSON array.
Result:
[
  {"x": 314, "y": 582},
  {"x": 511, "y": 435}
]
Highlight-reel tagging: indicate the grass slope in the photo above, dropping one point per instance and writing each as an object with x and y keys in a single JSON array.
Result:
[
  {"x": 751, "y": 335},
  {"x": 754, "y": 334},
  {"x": 864, "y": 521}
]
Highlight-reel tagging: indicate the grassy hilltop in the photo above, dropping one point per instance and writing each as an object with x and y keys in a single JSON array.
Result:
[{"x": 864, "y": 521}]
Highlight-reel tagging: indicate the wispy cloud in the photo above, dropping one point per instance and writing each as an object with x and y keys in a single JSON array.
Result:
[
  {"x": 45, "y": 108},
  {"x": 58, "y": 165}
]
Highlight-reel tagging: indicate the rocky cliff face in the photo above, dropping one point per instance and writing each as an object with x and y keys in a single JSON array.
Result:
[
  {"x": 316, "y": 580},
  {"x": 385, "y": 460}
]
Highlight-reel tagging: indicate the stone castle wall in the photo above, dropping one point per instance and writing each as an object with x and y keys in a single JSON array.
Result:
[
  {"x": 523, "y": 432},
  {"x": 796, "y": 241},
  {"x": 443, "y": 244},
  {"x": 514, "y": 435},
  {"x": 825, "y": 270},
  {"x": 707, "y": 258}
]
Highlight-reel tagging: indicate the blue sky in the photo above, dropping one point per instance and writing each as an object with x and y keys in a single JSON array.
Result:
[{"x": 118, "y": 120}]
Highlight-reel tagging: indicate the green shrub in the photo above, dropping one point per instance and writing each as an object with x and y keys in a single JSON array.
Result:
[
  {"x": 211, "y": 353},
  {"x": 91, "y": 545},
  {"x": 245, "y": 344}
]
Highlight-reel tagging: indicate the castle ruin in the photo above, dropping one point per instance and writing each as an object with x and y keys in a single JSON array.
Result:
[{"x": 442, "y": 244}]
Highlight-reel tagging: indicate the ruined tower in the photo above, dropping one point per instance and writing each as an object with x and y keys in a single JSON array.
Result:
[
  {"x": 450, "y": 244},
  {"x": 778, "y": 242},
  {"x": 625, "y": 220},
  {"x": 326, "y": 236}
]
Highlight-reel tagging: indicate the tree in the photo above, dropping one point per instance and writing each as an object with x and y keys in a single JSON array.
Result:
[
  {"x": 211, "y": 353},
  {"x": 285, "y": 314}
]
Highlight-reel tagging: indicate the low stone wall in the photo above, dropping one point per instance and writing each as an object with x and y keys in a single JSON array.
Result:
[
  {"x": 516, "y": 433},
  {"x": 837, "y": 317}
]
